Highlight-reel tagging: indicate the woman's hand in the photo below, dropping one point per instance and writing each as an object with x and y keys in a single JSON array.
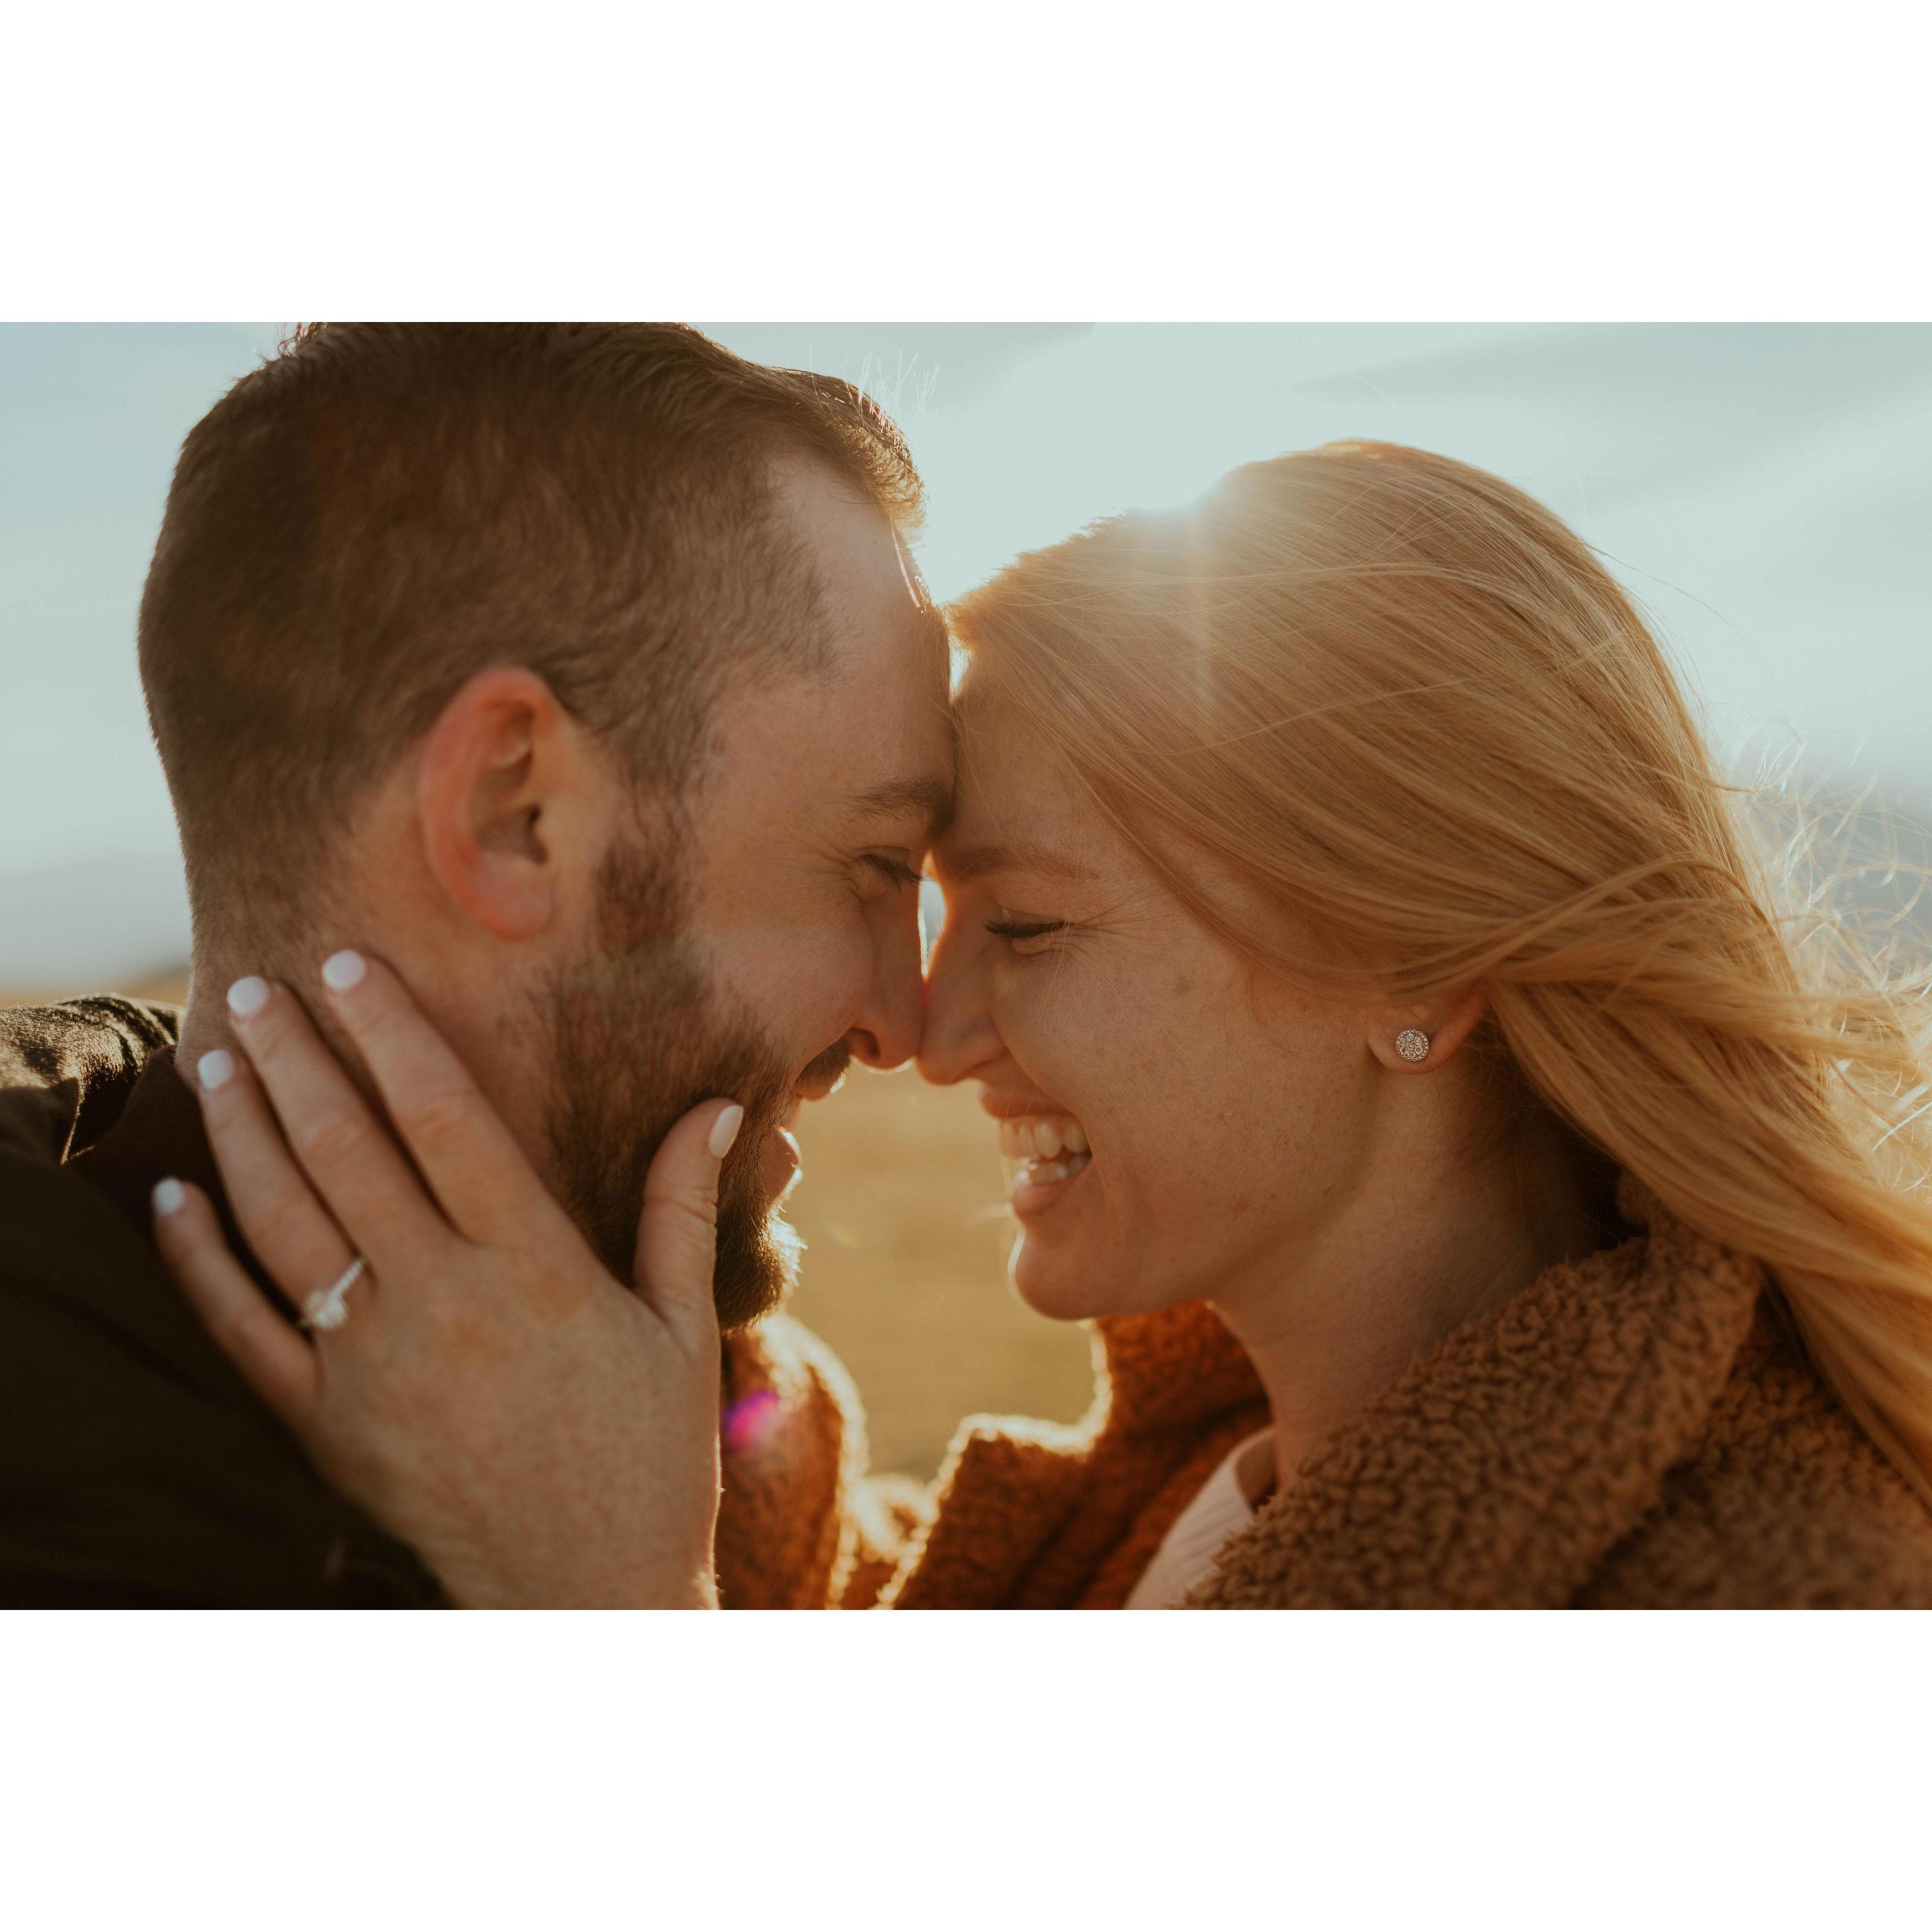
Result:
[{"x": 538, "y": 1433}]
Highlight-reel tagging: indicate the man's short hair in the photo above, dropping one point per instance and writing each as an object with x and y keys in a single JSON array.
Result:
[{"x": 383, "y": 510}]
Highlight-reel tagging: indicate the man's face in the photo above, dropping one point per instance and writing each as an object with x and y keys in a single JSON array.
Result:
[{"x": 791, "y": 945}]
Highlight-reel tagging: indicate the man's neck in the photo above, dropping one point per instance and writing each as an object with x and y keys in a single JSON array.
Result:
[
  {"x": 204, "y": 1023},
  {"x": 489, "y": 1043}
]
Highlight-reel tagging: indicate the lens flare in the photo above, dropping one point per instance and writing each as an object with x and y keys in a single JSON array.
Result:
[{"x": 748, "y": 1423}]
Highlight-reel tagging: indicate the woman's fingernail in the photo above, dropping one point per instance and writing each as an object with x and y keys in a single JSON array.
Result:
[
  {"x": 168, "y": 1195},
  {"x": 341, "y": 971},
  {"x": 216, "y": 1070},
  {"x": 247, "y": 996},
  {"x": 725, "y": 1130}
]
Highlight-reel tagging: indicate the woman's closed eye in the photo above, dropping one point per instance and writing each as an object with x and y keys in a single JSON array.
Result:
[{"x": 1026, "y": 935}]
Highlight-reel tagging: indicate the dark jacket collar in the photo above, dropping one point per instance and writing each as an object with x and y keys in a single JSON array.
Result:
[{"x": 138, "y": 1466}]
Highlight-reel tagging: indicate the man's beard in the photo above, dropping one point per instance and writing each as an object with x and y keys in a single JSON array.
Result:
[{"x": 638, "y": 1037}]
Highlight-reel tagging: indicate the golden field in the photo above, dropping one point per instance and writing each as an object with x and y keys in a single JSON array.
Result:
[{"x": 901, "y": 1205}]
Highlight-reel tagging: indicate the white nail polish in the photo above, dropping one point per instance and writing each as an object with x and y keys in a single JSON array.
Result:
[
  {"x": 341, "y": 971},
  {"x": 247, "y": 996},
  {"x": 724, "y": 1131},
  {"x": 168, "y": 1195},
  {"x": 216, "y": 1070}
]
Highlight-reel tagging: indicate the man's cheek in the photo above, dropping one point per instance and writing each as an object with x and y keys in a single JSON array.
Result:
[{"x": 806, "y": 994}]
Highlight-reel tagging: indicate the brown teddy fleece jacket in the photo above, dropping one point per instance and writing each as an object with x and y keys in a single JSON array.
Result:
[{"x": 1639, "y": 1429}]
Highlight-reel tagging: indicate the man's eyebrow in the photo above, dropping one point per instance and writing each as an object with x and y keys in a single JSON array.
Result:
[
  {"x": 962, "y": 868},
  {"x": 930, "y": 798}
]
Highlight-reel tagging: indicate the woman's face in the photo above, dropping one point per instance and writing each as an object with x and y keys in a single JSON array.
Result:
[{"x": 1176, "y": 1125}]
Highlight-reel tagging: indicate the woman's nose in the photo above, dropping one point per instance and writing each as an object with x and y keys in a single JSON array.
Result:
[{"x": 959, "y": 1037}]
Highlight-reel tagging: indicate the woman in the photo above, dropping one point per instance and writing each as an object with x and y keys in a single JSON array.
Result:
[{"x": 1347, "y": 931}]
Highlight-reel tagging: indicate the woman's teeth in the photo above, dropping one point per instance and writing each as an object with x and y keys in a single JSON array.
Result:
[
  {"x": 1035, "y": 1134},
  {"x": 1039, "y": 1149}
]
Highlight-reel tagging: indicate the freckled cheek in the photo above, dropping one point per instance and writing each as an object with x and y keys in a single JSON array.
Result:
[
  {"x": 1119, "y": 1072},
  {"x": 1055, "y": 1034}
]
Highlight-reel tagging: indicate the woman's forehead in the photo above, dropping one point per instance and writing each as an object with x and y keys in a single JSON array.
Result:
[
  {"x": 1019, "y": 808},
  {"x": 1005, "y": 774}
]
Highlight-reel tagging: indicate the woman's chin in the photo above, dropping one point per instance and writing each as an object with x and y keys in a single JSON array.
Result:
[
  {"x": 1059, "y": 1286},
  {"x": 1059, "y": 1275},
  {"x": 1067, "y": 1262},
  {"x": 1050, "y": 1266}
]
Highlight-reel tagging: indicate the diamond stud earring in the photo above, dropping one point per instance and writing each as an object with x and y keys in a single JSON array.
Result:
[{"x": 1412, "y": 1043}]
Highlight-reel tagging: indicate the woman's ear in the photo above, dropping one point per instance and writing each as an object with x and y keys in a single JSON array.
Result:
[
  {"x": 1418, "y": 1039},
  {"x": 502, "y": 783}
]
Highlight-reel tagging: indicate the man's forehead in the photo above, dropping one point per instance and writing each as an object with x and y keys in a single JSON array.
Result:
[
  {"x": 862, "y": 559},
  {"x": 891, "y": 681},
  {"x": 872, "y": 608},
  {"x": 881, "y": 732}
]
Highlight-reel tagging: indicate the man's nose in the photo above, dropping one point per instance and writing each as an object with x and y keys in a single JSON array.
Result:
[{"x": 886, "y": 1033}]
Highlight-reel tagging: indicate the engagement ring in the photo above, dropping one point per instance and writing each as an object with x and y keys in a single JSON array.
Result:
[{"x": 329, "y": 1307}]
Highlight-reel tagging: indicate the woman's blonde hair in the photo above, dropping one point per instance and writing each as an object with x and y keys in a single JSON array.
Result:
[{"x": 1405, "y": 702}]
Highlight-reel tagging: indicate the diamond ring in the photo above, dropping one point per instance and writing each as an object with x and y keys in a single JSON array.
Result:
[{"x": 329, "y": 1307}]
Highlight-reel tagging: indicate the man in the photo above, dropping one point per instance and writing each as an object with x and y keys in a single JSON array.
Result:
[{"x": 581, "y": 673}]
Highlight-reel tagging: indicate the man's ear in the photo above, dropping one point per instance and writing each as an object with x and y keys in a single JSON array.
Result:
[
  {"x": 1445, "y": 1024},
  {"x": 503, "y": 796}
]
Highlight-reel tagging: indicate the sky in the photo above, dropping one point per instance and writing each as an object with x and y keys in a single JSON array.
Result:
[{"x": 1764, "y": 490}]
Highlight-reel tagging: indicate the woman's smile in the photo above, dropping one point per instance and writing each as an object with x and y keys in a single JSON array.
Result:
[{"x": 1042, "y": 1156}]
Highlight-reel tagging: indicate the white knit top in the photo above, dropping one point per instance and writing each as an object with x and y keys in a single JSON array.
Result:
[{"x": 1226, "y": 1504}]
